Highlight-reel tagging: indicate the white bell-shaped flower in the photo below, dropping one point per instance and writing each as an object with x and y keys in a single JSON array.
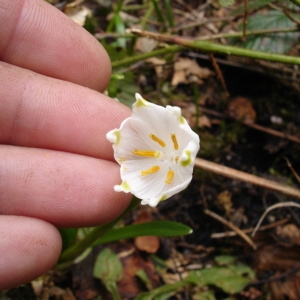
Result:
[{"x": 156, "y": 149}]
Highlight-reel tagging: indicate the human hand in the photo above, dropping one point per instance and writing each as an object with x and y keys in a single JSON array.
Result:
[{"x": 56, "y": 166}]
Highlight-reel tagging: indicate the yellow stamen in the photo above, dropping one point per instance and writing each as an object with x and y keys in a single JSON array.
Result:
[
  {"x": 170, "y": 176},
  {"x": 174, "y": 139},
  {"x": 147, "y": 153},
  {"x": 176, "y": 159},
  {"x": 157, "y": 139},
  {"x": 153, "y": 169}
]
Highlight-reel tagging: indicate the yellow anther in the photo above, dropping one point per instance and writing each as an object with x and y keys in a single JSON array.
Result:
[
  {"x": 157, "y": 139},
  {"x": 153, "y": 169},
  {"x": 176, "y": 159},
  {"x": 147, "y": 153},
  {"x": 170, "y": 176},
  {"x": 174, "y": 140}
]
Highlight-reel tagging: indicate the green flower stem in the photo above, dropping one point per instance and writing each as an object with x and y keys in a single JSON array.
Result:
[
  {"x": 78, "y": 248},
  {"x": 133, "y": 59},
  {"x": 231, "y": 50},
  {"x": 205, "y": 46}
]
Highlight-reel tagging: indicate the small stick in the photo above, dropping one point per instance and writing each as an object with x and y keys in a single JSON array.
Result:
[
  {"x": 256, "y": 126},
  {"x": 239, "y": 175},
  {"x": 245, "y": 20},
  {"x": 219, "y": 235},
  {"x": 219, "y": 73},
  {"x": 231, "y": 226},
  {"x": 277, "y": 205},
  {"x": 292, "y": 169}
]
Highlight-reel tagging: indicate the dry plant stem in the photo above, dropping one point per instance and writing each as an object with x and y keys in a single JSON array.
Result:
[
  {"x": 277, "y": 205},
  {"x": 256, "y": 126},
  {"x": 245, "y": 20},
  {"x": 220, "y": 235},
  {"x": 219, "y": 74},
  {"x": 133, "y": 59},
  {"x": 231, "y": 226},
  {"x": 217, "y": 48},
  {"x": 249, "y": 178},
  {"x": 292, "y": 169},
  {"x": 274, "y": 132}
]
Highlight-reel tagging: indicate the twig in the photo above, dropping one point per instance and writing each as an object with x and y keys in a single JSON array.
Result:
[
  {"x": 245, "y": 19},
  {"x": 274, "y": 132},
  {"x": 216, "y": 48},
  {"x": 249, "y": 178},
  {"x": 219, "y": 74},
  {"x": 292, "y": 18},
  {"x": 256, "y": 126},
  {"x": 219, "y": 235},
  {"x": 231, "y": 226},
  {"x": 277, "y": 205},
  {"x": 292, "y": 169},
  {"x": 136, "y": 58}
]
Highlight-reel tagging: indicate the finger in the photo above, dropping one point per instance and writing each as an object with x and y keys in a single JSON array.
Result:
[
  {"x": 62, "y": 188},
  {"x": 37, "y": 36},
  {"x": 42, "y": 112},
  {"x": 29, "y": 247}
]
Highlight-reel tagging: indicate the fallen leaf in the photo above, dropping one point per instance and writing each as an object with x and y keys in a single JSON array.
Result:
[
  {"x": 145, "y": 45},
  {"x": 188, "y": 71},
  {"x": 288, "y": 235},
  {"x": 204, "y": 121},
  {"x": 224, "y": 201},
  {"x": 158, "y": 65},
  {"x": 241, "y": 109},
  {"x": 77, "y": 12},
  {"x": 149, "y": 244}
]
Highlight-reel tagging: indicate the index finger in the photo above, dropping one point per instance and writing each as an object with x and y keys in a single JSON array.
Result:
[
  {"x": 42, "y": 112},
  {"x": 37, "y": 36}
]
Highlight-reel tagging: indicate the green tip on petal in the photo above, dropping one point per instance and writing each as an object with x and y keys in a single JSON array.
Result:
[
  {"x": 125, "y": 186},
  {"x": 187, "y": 158},
  {"x": 140, "y": 101},
  {"x": 118, "y": 136},
  {"x": 163, "y": 197},
  {"x": 114, "y": 136},
  {"x": 182, "y": 120}
]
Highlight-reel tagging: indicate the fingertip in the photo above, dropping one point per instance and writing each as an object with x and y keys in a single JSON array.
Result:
[
  {"x": 29, "y": 247},
  {"x": 39, "y": 37}
]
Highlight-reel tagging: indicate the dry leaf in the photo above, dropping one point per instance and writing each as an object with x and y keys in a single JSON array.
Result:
[
  {"x": 188, "y": 71},
  {"x": 241, "y": 108},
  {"x": 224, "y": 200},
  {"x": 78, "y": 13},
  {"x": 158, "y": 65},
  {"x": 149, "y": 244},
  {"x": 204, "y": 121},
  {"x": 288, "y": 235},
  {"x": 145, "y": 45}
]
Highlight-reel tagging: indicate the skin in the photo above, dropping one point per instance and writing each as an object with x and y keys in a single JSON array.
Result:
[{"x": 56, "y": 166}]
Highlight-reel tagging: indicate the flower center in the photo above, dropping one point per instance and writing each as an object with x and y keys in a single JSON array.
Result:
[{"x": 166, "y": 157}]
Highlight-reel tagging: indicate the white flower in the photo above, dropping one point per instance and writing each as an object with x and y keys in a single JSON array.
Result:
[{"x": 156, "y": 149}]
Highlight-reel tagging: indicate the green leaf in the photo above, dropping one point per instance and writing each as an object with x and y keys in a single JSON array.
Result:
[
  {"x": 225, "y": 259},
  {"x": 226, "y": 3},
  {"x": 204, "y": 295},
  {"x": 68, "y": 236},
  {"x": 120, "y": 28},
  {"x": 123, "y": 87},
  {"x": 231, "y": 279},
  {"x": 252, "y": 5},
  {"x": 157, "y": 228},
  {"x": 142, "y": 275},
  {"x": 275, "y": 42},
  {"x": 108, "y": 267}
]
